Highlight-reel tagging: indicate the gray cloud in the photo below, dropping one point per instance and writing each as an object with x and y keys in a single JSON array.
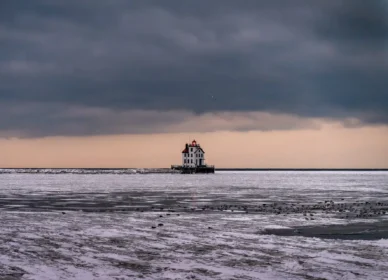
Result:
[
  {"x": 32, "y": 121},
  {"x": 311, "y": 59}
]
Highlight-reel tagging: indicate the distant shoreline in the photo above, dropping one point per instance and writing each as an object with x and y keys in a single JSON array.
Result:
[{"x": 217, "y": 169}]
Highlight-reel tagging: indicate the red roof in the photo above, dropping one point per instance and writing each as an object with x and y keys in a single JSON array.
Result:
[{"x": 193, "y": 144}]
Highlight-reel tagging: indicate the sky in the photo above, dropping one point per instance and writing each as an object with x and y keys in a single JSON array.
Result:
[{"x": 279, "y": 84}]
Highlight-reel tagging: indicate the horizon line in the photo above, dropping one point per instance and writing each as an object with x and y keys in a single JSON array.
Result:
[{"x": 219, "y": 169}]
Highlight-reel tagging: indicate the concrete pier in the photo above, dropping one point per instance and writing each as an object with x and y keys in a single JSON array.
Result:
[{"x": 193, "y": 170}]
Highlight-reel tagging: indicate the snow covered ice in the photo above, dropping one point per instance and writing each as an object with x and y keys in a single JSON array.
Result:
[{"x": 229, "y": 225}]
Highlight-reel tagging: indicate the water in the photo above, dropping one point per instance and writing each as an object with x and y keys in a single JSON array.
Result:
[{"x": 104, "y": 225}]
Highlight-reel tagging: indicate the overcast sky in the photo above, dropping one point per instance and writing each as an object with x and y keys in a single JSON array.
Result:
[{"x": 79, "y": 68}]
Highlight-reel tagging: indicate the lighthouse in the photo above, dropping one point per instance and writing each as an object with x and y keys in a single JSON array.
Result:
[
  {"x": 193, "y": 155},
  {"x": 193, "y": 160}
]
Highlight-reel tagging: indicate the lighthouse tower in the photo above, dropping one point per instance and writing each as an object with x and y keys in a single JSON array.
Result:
[{"x": 193, "y": 155}]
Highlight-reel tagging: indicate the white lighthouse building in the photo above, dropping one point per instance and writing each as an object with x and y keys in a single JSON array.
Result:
[
  {"x": 193, "y": 160},
  {"x": 193, "y": 155}
]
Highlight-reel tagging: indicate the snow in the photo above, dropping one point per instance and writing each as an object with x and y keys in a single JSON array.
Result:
[
  {"x": 276, "y": 227},
  {"x": 108, "y": 243}
]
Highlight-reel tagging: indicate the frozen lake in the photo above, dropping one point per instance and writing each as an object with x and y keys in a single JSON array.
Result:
[{"x": 228, "y": 225}]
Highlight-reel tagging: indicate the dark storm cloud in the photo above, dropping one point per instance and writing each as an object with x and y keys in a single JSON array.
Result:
[{"x": 309, "y": 58}]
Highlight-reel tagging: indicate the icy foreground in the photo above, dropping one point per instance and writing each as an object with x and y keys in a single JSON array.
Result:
[{"x": 170, "y": 226}]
